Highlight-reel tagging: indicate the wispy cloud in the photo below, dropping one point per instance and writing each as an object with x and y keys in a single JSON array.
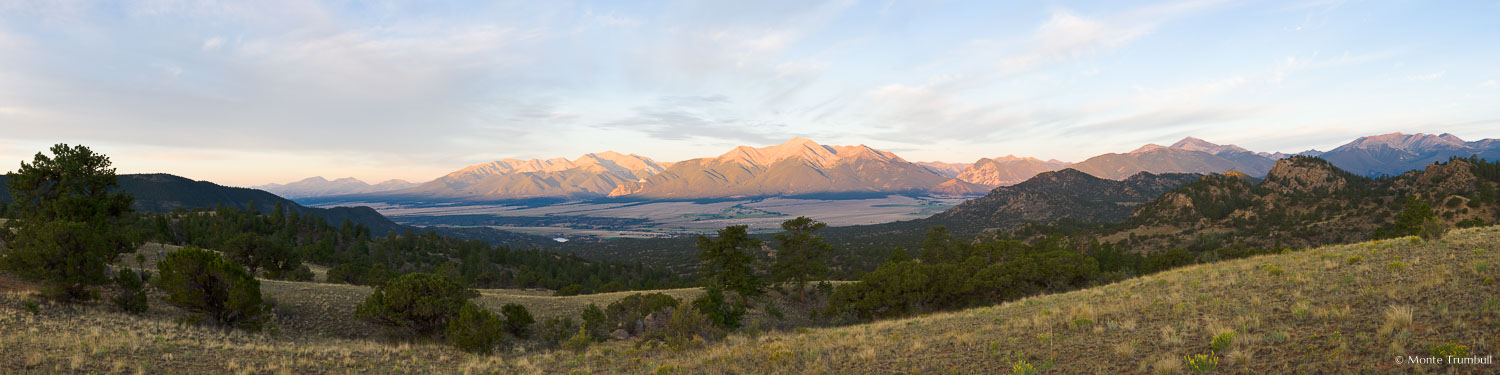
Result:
[
  {"x": 1425, "y": 77},
  {"x": 690, "y": 117}
]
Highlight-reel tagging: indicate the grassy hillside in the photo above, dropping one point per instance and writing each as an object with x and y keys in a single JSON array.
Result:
[{"x": 1340, "y": 309}]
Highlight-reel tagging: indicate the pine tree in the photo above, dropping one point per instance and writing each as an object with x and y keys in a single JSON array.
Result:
[
  {"x": 67, "y": 228},
  {"x": 727, "y": 262},
  {"x": 802, "y": 254},
  {"x": 935, "y": 247}
]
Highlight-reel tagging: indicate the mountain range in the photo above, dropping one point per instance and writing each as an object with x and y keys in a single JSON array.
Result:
[
  {"x": 801, "y": 167},
  {"x": 1190, "y": 155},
  {"x": 1396, "y": 153},
  {"x": 321, "y": 187},
  {"x": 798, "y": 166}
]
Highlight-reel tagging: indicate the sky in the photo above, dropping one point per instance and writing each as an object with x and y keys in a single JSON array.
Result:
[{"x": 254, "y": 92}]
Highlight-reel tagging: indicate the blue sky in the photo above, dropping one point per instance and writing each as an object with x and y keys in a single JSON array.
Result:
[{"x": 246, "y": 93}]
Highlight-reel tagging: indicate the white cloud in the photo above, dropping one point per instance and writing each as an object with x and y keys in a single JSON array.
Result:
[
  {"x": 1068, "y": 36},
  {"x": 1490, "y": 83},
  {"x": 212, "y": 43}
]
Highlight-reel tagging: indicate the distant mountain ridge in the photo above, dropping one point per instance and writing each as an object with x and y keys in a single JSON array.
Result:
[
  {"x": 801, "y": 166},
  {"x": 160, "y": 192},
  {"x": 1190, "y": 155},
  {"x": 1396, "y": 153},
  {"x": 589, "y": 176},
  {"x": 798, "y": 166},
  {"x": 321, "y": 187},
  {"x": 1007, "y": 170}
]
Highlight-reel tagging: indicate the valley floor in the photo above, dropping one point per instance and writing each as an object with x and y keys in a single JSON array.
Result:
[{"x": 1361, "y": 308}]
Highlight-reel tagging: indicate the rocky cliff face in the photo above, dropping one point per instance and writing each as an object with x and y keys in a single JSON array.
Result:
[{"x": 1306, "y": 175}]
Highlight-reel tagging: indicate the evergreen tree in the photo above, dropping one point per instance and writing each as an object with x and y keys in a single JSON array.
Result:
[
  {"x": 728, "y": 263},
  {"x": 67, "y": 228},
  {"x": 421, "y": 303},
  {"x": 802, "y": 254},
  {"x": 202, "y": 281},
  {"x": 935, "y": 247}
]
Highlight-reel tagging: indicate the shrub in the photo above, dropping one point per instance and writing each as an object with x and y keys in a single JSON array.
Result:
[
  {"x": 556, "y": 330},
  {"x": 1450, "y": 350},
  {"x": 1201, "y": 362},
  {"x": 202, "y": 281},
  {"x": 1453, "y": 202},
  {"x": 421, "y": 303},
  {"x": 132, "y": 298},
  {"x": 475, "y": 329},
  {"x": 629, "y": 311},
  {"x": 570, "y": 290},
  {"x": 32, "y": 307},
  {"x": 1272, "y": 269},
  {"x": 580, "y": 341},
  {"x": 595, "y": 322},
  {"x": 685, "y": 324},
  {"x": 724, "y": 314},
  {"x": 1396, "y": 266},
  {"x": 1469, "y": 223},
  {"x": 1432, "y": 229},
  {"x": 360, "y": 274},
  {"x": 1222, "y": 341},
  {"x": 518, "y": 321},
  {"x": 1355, "y": 259},
  {"x": 1022, "y": 367}
]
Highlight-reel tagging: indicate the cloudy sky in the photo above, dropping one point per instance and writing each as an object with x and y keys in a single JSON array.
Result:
[{"x": 246, "y": 93}]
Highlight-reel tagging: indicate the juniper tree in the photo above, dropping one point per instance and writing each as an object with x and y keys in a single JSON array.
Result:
[
  {"x": 67, "y": 227},
  {"x": 802, "y": 254},
  {"x": 728, "y": 263}
]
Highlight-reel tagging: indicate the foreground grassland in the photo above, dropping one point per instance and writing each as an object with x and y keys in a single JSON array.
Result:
[{"x": 1341, "y": 309}]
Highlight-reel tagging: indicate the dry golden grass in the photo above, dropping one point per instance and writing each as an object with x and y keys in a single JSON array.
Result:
[{"x": 1347, "y": 324}]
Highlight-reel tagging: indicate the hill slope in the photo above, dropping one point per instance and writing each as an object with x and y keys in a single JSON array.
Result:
[
  {"x": 1067, "y": 193},
  {"x": 162, "y": 192},
  {"x": 1306, "y": 201},
  {"x": 1340, "y": 309}
]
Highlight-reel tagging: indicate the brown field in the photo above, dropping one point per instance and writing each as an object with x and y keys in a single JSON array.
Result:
[
  {"x": 695, "y": 216},
  {"x": 1340, "y": 309}
]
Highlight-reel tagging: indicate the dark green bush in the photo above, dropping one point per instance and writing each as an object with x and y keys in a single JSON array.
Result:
[
  {"x": 595, "y": 322},
  {"x": 685, "y": 324},
  {"x": 570, "y": 290},
  {"x": 556, "y": 330},
  {"x": 518, "y": 321},
  {"x": 421, "y": 303},
  {"x": 475, "y": 329},
  {"x": 360, "y": 274},
  {"x": 202, "y": 281},
  {"x": 132, "y": 296},
  {"x": 723, "y": 313},
  {"x": 629, "y": 311}
]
